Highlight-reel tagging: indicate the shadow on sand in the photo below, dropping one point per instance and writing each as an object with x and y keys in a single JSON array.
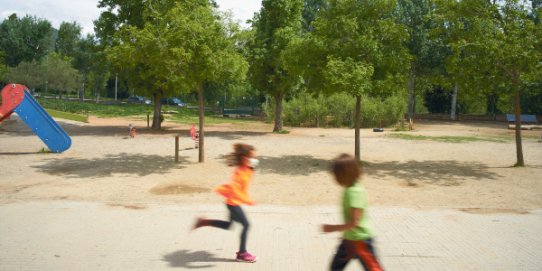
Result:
[
  {"x": 444, "y": 173},
  {"x": 193, "y": 259},
  {"x": 18, "y": 128},
  {"x": 300, "y": 165},
  {"x": 123, "y": 163}
]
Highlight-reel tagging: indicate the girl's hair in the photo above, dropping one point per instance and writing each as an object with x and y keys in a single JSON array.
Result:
[
  {"x": 346, "y": 169},
  {"x": 240, "y": 151}
]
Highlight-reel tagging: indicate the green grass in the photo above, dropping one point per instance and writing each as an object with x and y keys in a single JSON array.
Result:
[
  {"x": 44, "y": 150},
  {"x": 138, "y": 111},
  {"x": 282, "y": 132},
  {"x": 66, "y": 115},
  {"x": 450, "y": 139}
]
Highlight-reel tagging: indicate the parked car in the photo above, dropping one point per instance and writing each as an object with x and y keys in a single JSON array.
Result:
[
  {"x": 173, "y": 101},
  {"x": 138, "y": 100}
]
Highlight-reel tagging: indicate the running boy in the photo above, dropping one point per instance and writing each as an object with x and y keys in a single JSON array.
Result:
[
  {"x": 235, "y": 194},
  {"x": 357, "y": 233}
]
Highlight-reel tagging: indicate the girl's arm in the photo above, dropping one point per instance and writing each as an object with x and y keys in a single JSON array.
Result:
[{"x": 356, "y": 216}]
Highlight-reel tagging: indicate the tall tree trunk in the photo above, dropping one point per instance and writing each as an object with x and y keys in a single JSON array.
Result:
[
  {"x": 454, "y": 102},
  {"x": 156, "y": 124},
  {"x": 201, "y": 122},
  {"x": 411, "y": 87},
  {"x": 278, "y": 113},
  {"x": 517, "y": 114},
  {"x": 357, "y": 127}
]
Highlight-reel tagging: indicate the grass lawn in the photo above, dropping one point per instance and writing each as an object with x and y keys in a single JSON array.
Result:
[
  {"x": 451, "y": 139},
  {"x": 171, "y": 113},
  {"x": 67, "y": 115}
]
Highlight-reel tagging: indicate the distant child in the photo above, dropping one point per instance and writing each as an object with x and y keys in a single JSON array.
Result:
[
  {"x": 235, "y": 194},
  {"x": 132, "y": 130},
  {"x": 357, "y": 233},
  {"x": 194, "y": 134}
]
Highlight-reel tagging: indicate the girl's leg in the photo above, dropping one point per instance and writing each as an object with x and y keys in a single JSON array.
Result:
[
  {"x": 214, "y": 222},
  {"x": 341, "y": 258},
  {"x": 238, "y": 215}
]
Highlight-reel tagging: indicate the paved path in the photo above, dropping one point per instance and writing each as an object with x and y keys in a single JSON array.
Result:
[{"x": 64, "y": 235}]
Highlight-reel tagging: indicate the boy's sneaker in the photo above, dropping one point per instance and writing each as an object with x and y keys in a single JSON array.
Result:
[{"x": 245, "y": 257}]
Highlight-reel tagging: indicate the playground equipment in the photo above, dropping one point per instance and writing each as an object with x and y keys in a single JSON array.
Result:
[{"x": 16, "y": 98}]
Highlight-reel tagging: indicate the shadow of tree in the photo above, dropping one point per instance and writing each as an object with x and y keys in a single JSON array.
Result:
[
  {"x": 20, "y": 129},
  {"x": 302, "y": 165},
  {"x": 445, "y": 173},
  {"x": 187, "y": 259},
  {"x": 123, "y": 163}
]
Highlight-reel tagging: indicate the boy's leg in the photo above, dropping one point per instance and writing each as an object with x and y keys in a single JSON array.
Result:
[
  {"x": 364, "y": 251},
  {"x": 238, "y": 215},
  {"x": 341, "y": 258}
]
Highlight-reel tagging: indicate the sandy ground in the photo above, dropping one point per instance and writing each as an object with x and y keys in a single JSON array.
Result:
[{"x": 104, "y": 165}]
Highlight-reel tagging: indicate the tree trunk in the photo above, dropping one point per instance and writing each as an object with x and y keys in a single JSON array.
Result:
[
  {"x": 517, "y": 114},
  {"x": 156, "y": 124},
  {"x": 454, "y": 102},
  {"x": 278, "y": 113},
  {"x": 411, "y": 91},
  {"x": 357, "y": 127},
  {"x": 201, "y": 122}
]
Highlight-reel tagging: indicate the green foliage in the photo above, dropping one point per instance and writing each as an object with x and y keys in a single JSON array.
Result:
[
  {"x": 336, "y": 110},
  {"x": 178, "y": 47},
  {"x": 100, "y": 110},
  {"x": 276, "y": 26},
  {"x": 24, "y": 39},
  {"x": 438, "y": 100},
  {"x": 55, "y": 70},
  {"x": 66, "y": 115},
  {"x": 69, "y": 35}
]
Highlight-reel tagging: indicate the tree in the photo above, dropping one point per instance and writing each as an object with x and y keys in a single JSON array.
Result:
[
  {"x": 181, "y": 46},
  {"x": 355, "y": 48},
  {"x": 24, "y": 39},
  {"x": 54, "y": 70},
  {"x": 427, "y": 52},
  {"x": 500, "y": 44},
  {"x": 310, "y": 11},
  {"x": 29, "y": 74},
  {"x": 277, "y": 24},
  {"x": 59, "y": 73},
  {"x": 69, "y": 35},
  {"x": 118, "y": 13}
]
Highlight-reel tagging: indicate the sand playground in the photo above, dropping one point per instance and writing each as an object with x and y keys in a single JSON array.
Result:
[{"x": 104, "y": 165}]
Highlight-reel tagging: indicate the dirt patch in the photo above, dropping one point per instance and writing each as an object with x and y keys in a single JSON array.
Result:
[
  {"x": 103, "y": 166},
  {"x": 128, "y": 206},
  {"x": 493, "y": 211},
  {"x": 176, "y": 189}
]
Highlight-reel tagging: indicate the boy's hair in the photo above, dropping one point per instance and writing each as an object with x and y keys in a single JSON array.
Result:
[
  {"x": 346, "y": 169},
  {"x": 240, "y": 151}
]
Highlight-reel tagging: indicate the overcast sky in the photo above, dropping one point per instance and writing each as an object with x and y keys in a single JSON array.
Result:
[{"x": 84, "y": 12}]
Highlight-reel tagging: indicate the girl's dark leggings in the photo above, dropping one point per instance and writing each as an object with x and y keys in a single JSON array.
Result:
[{"x": 236, "y": 214}]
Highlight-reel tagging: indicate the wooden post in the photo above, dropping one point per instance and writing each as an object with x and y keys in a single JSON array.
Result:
[
  {"x": 148, "y": 121},
  {"x": 176, "y": 148}
]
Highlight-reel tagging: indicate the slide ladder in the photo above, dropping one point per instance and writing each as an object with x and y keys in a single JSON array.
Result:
[{"x": 16, "y": 98}]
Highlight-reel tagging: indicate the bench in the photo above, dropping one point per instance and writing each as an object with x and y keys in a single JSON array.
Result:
[{"x": 528, "y": 122}]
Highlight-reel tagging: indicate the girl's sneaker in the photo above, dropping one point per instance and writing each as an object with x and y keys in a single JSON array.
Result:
[{"x": 245, "y": 257}]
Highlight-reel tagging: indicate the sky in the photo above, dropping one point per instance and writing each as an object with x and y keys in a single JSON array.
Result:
[{"x": 84, "y": 12}]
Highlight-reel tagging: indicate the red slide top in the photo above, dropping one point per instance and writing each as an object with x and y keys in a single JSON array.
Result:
[{"x": 12, "y": 96}]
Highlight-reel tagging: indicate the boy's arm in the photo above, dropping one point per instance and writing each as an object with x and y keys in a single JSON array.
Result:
[{"x": 356, "y": 216}]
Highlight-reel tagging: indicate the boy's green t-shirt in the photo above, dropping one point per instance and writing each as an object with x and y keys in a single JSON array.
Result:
[{"x": 356, "y": 197}]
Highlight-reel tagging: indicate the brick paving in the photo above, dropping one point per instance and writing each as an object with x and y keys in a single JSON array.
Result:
[{"x": 64, "y": 235}]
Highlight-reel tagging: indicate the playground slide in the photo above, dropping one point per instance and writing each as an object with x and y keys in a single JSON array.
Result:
[{"x": 37, "y": 119}]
